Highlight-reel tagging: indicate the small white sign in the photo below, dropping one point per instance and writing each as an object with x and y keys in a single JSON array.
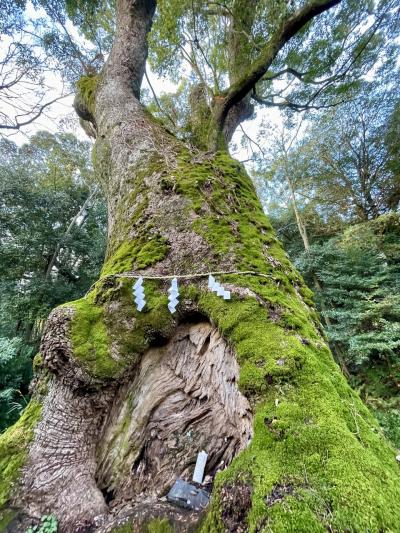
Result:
[{"x": 200, "y": 466}]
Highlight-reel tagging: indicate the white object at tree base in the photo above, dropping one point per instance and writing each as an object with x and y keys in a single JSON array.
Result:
[{"x": 200, "y": 466}]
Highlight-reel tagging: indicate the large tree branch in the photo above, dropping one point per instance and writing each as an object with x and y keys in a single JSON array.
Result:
[
  {"x": 295, "y": 106},
  {"x": 127, "y": 59},
  {"x": 258, "y": 69},
  {"x": 289, "y": 70},
  {"x": 344, "y": 70}
]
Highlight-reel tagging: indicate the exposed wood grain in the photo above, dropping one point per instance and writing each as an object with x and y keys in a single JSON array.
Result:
[
  {"x": 184, "y": 399},
  {"x": 109, "y": 450}
]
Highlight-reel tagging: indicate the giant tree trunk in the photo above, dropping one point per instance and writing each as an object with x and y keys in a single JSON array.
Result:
[{"x": 123, "y": 401}]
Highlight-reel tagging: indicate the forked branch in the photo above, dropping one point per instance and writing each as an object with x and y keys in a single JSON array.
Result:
[{"x": 289, "y": 27}]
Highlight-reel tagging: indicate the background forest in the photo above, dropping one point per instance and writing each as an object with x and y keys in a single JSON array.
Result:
[{"x": 328, "y": 174}]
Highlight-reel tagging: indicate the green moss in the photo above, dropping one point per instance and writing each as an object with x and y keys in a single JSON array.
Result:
[
  {"x": 87, "y": 86},
  {"x": 150, "y": 253},
  {"x": 121, "y": 260},
  {"x": 107, "y": 317},
  {"x": 315, "y": 444},
  {"x": 135, "y": 255},
  {"x": 42, "y": 382},
  {"x": 37, "y": 362},
  {"x": 232, "y": 220},
  {"x": 13, "y": 448},
  {"x": 148, "y": 246},
  {"x": 6, "y": 517},
  {"x": 90, "y": 340},
  {"x": 317, "y": 460},
  {"x": 158, "y": 525}
]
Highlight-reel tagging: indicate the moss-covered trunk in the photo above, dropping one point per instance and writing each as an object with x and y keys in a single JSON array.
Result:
[{"x": 123, "y": 401}]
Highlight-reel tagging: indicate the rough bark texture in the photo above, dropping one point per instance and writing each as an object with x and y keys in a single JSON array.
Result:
[
  {"x": 61, "y": 466},
  {"x": 128, "y": 398},
  {"x": 105, "y": 450},
  {"x": 183, "y": 399}
]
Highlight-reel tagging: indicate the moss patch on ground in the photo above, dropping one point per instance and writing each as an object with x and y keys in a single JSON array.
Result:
[{"x": 14, "y": 448}]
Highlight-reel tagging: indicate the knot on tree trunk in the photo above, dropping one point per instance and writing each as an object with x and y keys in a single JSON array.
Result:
[
  {"x": 58, "y": 355},
  {"x": 84, "y": 102}
]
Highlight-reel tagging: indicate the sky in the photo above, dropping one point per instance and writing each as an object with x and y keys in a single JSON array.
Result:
[{"x": 60, "y": 116}]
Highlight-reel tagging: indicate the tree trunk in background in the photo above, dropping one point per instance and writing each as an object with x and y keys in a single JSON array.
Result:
[
  {"x": 338, "y": 353},
  {"x": 123, "y": 401}
]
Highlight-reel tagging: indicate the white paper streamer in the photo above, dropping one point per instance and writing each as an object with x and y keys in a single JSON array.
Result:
[
  {"x": 138, "y": 292},
  {"x": 173, "y": 296},
  {"x": 216, "y": 287}
]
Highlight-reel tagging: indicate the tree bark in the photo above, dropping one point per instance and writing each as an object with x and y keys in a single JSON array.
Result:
[{"x": 129, "y": 398}]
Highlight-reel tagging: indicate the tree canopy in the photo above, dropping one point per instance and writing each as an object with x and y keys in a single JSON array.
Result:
[{"x": 234, "y": 56}]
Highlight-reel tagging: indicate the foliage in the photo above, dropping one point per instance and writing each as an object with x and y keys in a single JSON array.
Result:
[
  {"x": 350, "y": 163},
  {"x": 206, "y": 30},
  {"x": 64, "y": 38},
  {"x": 94, "y": 18},
  {"x": 42, "y": 263},
  {"x": 381, "y": 395},
  {"x": 358, "y": 291},
  {"x": 15, "y": 375},
  {"x": 343, "y": 169},
  {"x": 360, "y": 276},
  {"x": 216, "y": 42},
  {"x": 389, "y": 419},
  {"x": 48, "y": 524}
]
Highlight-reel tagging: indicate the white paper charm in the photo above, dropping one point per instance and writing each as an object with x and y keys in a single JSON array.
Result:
[
  {"x": 216, "y": 287},
  {"x": 173, "y": 296},
  {"x": 138, "y": 294},
  {"x": 220, "y": 290}
]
